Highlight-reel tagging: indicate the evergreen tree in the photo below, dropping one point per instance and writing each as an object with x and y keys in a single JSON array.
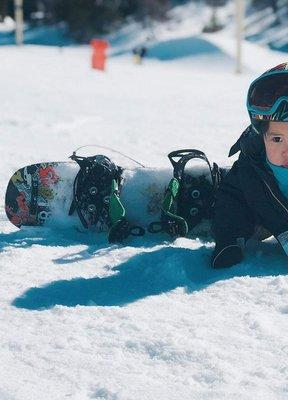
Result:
[
  {"x": 214, "y": 25},
  {"x": 3, "y": 9}
]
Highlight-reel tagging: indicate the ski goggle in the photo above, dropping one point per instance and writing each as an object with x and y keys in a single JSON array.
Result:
[{"x": 266, "y": 94}]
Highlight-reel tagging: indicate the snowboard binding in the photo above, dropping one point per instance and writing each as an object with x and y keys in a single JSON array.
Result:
[
  {"x": 96, "y": 197},
  {"x": 189, "y": 198}
]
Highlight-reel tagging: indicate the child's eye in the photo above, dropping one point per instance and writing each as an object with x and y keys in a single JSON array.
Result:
[{"x": 276, "y": 139}]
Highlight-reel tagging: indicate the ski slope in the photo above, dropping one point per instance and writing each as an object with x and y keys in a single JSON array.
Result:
[{"x": 80, "y": 319}]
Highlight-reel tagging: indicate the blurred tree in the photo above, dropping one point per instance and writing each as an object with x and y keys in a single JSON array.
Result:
[
  {"x": 29, "y": 6},
  {"x": 88, "y": 17},
  {"x": 214, "y": 24},
  {"x": 3, "y": 9},
  {"x": 267, "y": 3},
  {"x": 274, "y": 5},
  {"x": 155, "y": 9},
  {"x": 85, "y": 18},
  {"x": 216, "y": 3}
]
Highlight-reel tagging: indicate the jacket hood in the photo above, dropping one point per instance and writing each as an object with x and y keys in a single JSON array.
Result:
[{"x": 251, "y": 145}]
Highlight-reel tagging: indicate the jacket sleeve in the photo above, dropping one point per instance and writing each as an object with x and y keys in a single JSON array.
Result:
[{"x": 232, "y": 217}]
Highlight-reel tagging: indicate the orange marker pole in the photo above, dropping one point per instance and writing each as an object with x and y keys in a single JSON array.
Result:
[{"x": 99, "y": 57}]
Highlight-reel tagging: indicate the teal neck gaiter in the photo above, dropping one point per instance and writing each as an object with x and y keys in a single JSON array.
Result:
[{"x": 281, "y": 175}]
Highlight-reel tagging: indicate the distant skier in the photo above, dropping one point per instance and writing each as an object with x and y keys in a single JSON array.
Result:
[
  {"x": 139, "y": 53},
  {"x": 252, "y": 200}
]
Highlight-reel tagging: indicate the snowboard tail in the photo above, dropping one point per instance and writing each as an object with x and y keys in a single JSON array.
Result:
[{"x": 30, "y": 193}]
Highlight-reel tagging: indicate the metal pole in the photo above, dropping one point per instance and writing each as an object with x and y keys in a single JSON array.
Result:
[
  {"x": 18, "y": 11},
  {"x": 239, "y": 33}
]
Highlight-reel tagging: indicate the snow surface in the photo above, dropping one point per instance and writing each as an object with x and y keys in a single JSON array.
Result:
[{"x": 80, "y": 319}]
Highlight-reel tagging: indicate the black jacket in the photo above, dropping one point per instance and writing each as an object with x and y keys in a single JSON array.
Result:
[{"x": 249, "y": 195}]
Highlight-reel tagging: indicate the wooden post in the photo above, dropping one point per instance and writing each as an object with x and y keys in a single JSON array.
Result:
[
  {"x": 239, "y": 33},
  {"x": 18, "y": 11}
]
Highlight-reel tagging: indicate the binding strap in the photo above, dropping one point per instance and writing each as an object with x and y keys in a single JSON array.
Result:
[
  {"x": 186, "y": 202},
  {"x": 121, "y": 228},
  {"x": 96, "y": 197}
]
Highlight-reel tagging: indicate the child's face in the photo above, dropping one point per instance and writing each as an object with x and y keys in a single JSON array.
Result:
[{"x": 276, "y": 143}]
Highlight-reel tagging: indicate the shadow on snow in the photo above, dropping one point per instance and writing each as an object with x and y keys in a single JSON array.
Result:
[
  {"x": 184, "y": 47},
  {"x": 27, "y": 237},
  {"x": 152, "y": 273},
  {"x": 174, "y": 49}
]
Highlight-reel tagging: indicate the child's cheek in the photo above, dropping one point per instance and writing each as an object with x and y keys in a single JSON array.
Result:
[{"x": 271, "y": 153}]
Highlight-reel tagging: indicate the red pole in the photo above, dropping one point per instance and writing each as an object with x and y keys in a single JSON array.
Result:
[{"x": 99, "y": 48}]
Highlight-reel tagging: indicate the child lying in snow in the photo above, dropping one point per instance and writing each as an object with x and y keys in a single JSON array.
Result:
[{"x": 254, "y": 194}]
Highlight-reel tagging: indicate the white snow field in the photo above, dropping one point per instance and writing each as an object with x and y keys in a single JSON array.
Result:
[{"x": 149, "y": 319}]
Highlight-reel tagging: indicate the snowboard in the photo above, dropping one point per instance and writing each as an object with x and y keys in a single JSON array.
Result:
[{"x": 41, "y": 195}]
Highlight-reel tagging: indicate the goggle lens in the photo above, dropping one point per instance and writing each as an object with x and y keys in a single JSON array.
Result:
[{"x": 267, "y": 90}]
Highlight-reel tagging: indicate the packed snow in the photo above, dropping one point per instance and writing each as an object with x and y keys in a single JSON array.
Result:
[{"x": 149, "y": 319}]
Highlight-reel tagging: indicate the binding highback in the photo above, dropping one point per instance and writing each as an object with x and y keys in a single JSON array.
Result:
[
  {"x": 96, "y": 197},
  {"x": 189, "y": 197}
]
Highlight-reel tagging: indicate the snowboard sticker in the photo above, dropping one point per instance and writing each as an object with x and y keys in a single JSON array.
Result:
[{"x": 29, "y": 194}]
